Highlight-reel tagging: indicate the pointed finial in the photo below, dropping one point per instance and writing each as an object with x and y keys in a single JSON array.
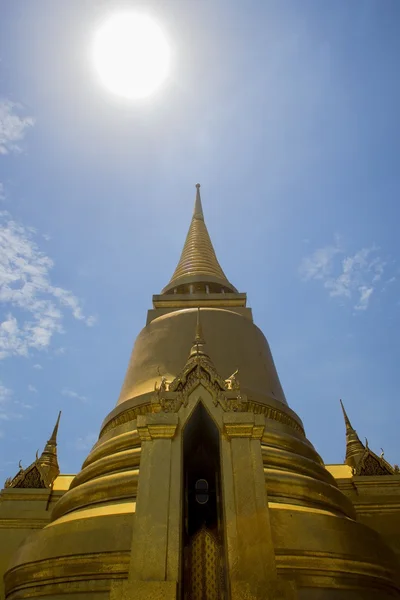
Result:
[
  {"x": 198, "y": 209},
  {"x": 346, "y": 418},
  {"x": 53, "y": 438},
  {"x": 198, "y": 342},
  {"x": 198, "y": 339},
  {"x": 354, "y": 448}
]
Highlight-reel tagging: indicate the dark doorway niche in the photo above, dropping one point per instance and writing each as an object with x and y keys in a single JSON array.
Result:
[{"x": 203, "y": 539}]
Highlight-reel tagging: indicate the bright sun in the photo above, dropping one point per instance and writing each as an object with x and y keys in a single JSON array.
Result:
[{"x": 131, "y": 55}]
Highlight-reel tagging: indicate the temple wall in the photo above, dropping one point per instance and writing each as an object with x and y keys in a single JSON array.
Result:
[
  {"x": 23, "y": 512},
  {"x": 376, "y": 500}
]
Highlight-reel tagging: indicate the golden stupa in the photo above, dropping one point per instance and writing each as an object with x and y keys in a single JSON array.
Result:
[{"x": 202, "y": 484}]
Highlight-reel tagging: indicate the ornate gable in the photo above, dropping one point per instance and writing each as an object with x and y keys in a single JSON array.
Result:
[
  {"x": 43, "y": 471},
  {"x": 31, "y": 477},
  {"x": 372, "y": 465},
  {"x": 170, "y": 396},
  {"x": 199, "y": 368}
]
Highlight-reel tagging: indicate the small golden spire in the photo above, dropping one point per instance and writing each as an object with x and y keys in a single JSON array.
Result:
[
  {"x": 198, "y": 342},
  {"x": 199, "y": 332},
  {"x": 346, "y": 418},
  {"x": 44, "y": 470},
  {"x": 53, "y": 438},
  {"x": 354, "y": 447},
  {"x": 48, "y": 460}
]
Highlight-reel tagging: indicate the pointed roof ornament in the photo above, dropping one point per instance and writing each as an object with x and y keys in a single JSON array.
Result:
[
  {"x": 198, "y": 342},
  {"x": 354, "y": 447},
  {"x": 346, "y": 418},
  {"x": 44, "y": 470},
  {"x": 199, "y": 368},
  {"x": 360, "y": 457},
  {"x": 198, "y": 263},
  {"x": 53, "y": 438},
  {"x": 198, "y": 209},
  {"x": 49, "y": 453},
  {"x": 198, "y": 363}
]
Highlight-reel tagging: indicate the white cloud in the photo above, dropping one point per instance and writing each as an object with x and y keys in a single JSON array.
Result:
[
  {"x": 90, "y": 321},
  {"x": 72, "y": 394},
  {"x": 86, "y": 442},
  {"x": 319, "y": 265},
  {"x": 365, "y": 294},
  {"x": 23, "y": 404},
  {"x": 353, "y": 278},
  {"x": 25, "y": 285},
  {"x": 37, "y": 367},
  {"x": 31, "y": 388},
  {"x": 12, "y": 126}
]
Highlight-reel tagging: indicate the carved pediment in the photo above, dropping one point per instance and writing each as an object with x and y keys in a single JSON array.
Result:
[
  {"x": 41, "y": 473},
  {"x": 373, "y": 465},
  {"x": 31, "y": 477},
  {"x": 170, "y": 396}
]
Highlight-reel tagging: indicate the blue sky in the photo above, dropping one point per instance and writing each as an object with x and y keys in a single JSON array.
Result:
[{"x": 287, "y": 113}]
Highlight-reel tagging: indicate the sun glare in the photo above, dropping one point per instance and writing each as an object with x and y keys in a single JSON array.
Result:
[{"x": 131, "y": 55}]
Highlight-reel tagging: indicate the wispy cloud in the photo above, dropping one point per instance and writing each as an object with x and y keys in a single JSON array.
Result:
[
  {"x": 2, "y": 192},
  {"x": 25, "y": 285},
  {"x": 319, "y": 264},
  {"x": 23, "y": 404},
  {"x": 86, "y": 442},
  {"x": 13, "y": 126},
  {"x": 352, "y": 277},
  {"x": 72, "y": 394},
  {"x": 32, "y": 389},
  {"x": 37, "y": 367}
]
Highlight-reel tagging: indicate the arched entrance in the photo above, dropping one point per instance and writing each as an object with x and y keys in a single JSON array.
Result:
[{"x": 203, "y": 576}]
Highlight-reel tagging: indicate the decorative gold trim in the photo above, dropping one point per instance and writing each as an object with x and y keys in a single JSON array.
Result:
[
  {"x": 22, "y": 523},
  {"x": 156, "y": 426},
  {"x": 241, "y": 430},
  {"x": 126, "y": 417},
  {"x": 254, "y": 407},
  {"x": 329, "y": 568},
  {"x": 169, "y": 396},
  {"x": 56, "y": 574}
]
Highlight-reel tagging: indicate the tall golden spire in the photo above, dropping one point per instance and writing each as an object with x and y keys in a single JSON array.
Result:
[
  {"x": 354, "y": 447},
  {"x": 198, "y": 263}
]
